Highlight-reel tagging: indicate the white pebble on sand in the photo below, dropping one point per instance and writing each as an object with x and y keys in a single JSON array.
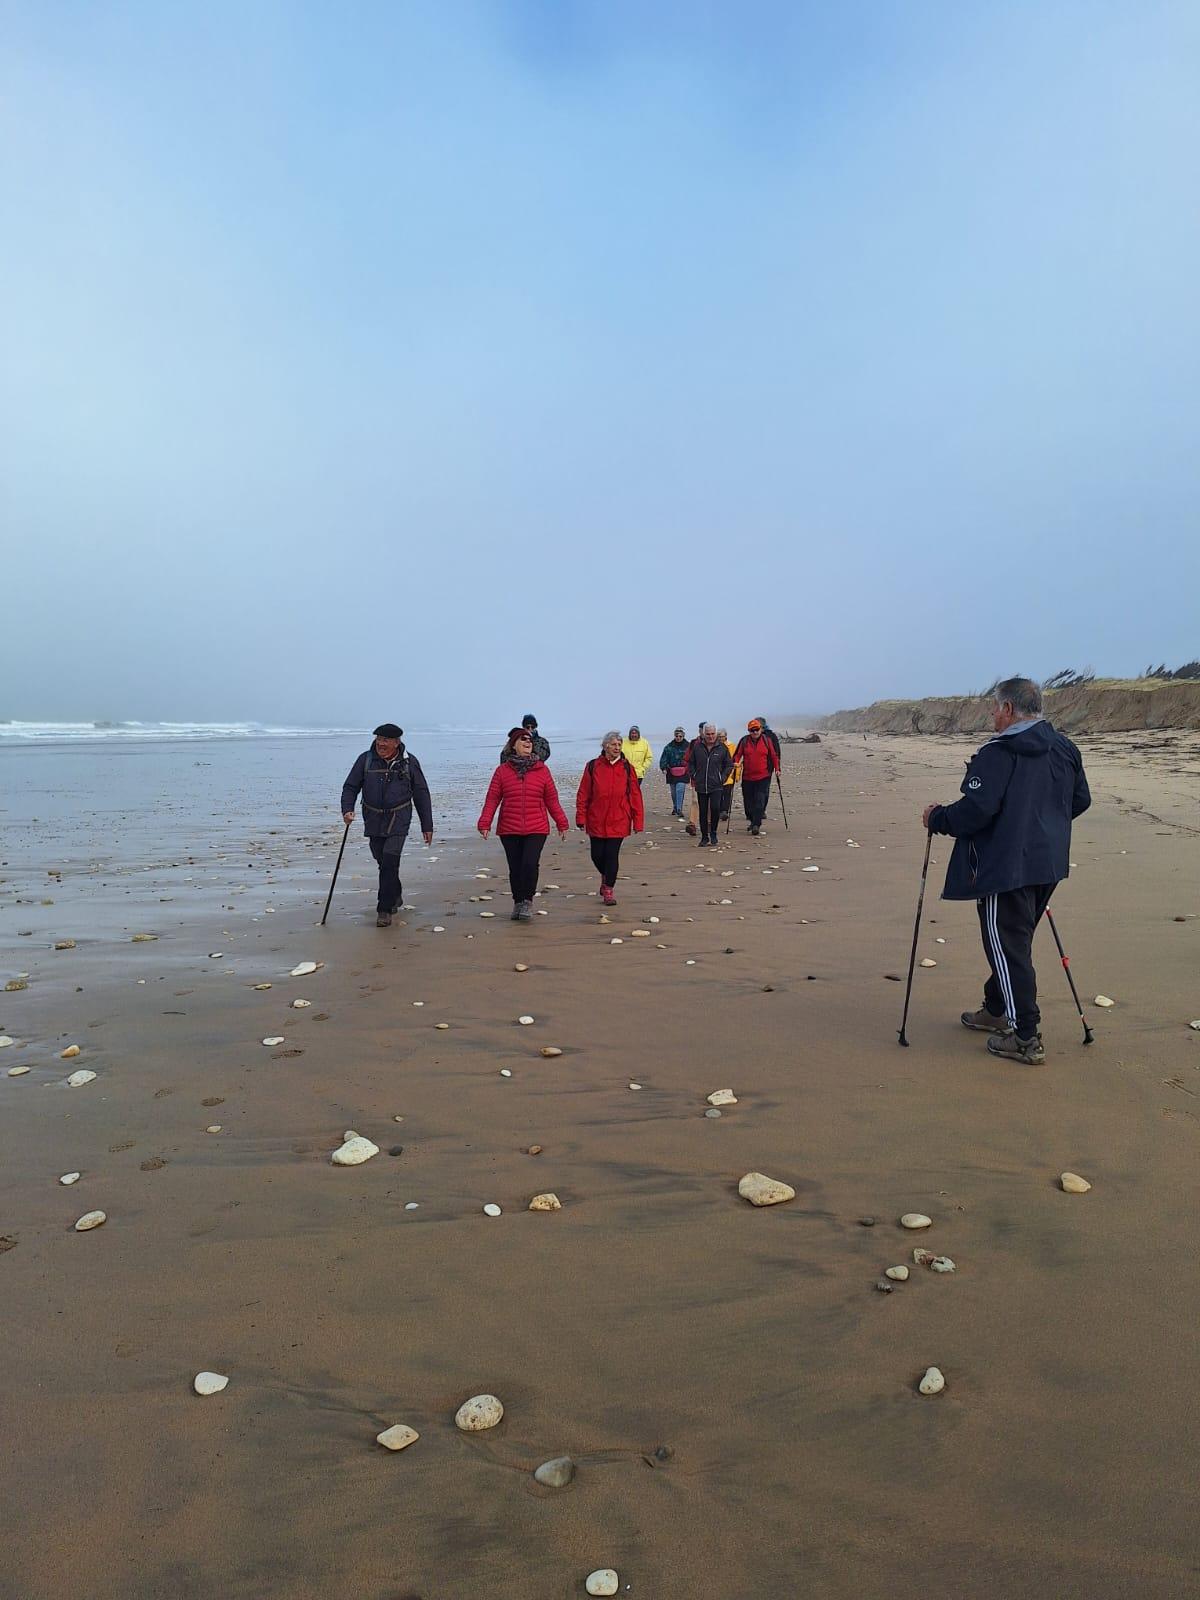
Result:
[
  {"x": 303, "y": 969},
  {"x": 722, "y": 1097},
  {"x": 397, "y": 1437},
  {"x": 933, "y": 1382},
  {"x": 551, "y": 1050},
  {"x": 354, "y": 1152},
  {"x": 635, "y": 1086},
  {"x": 915, "y": 1219},
  {"x": 927, "y": 962},
  {"x": 899, "y": 1273},
  {"x": 810, "y": 869},
  {"x": 616, "y": 941},
  {"x": 69, "y": 1178},
  {"x": 78, "y": 1079},
  {"x": 603, "y": 1581},
  {"x": 69, "y": 1053},
  {"x": 5, "y": 1041},
  {"x": 922, "y": 1258},
  {"x": 302, "y": 1005},
  {"x": 520, "y": 967},
  {"x": 524, "y": 1021},
  {"x": 89, "y": 1220},
  {"x": 261, "y": 986},
  {"x": 506, "y": 1072},
  {"x": 1103, "y": 1000},
  {"x": 480, "y": 1412},
  {"x": 17, "y": 1072},
  {"x": 492, "y": 1209},
  {"x": 941, "y": 1264},
  {"x": 763, "y": 1191},
  {"x": 209, "y": 1382},
  {"x": 273, "y": 1038},
  {"x": 213, "y": 1127},
  {"x": 412, "y": 1205},
  {"x": 545, "y": 1202},
  {"x": 639, "y": 933},
  {"x": 1073, "y": 1184}
]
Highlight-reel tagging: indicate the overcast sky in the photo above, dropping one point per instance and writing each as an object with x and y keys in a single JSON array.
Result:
[{"x": 622, "y": 359}]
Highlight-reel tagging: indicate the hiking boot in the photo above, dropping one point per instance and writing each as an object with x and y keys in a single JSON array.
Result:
[
  {"x": 516, "y": 911},
  {"x": 1011, "y": 1047},
  {"x": 383, "y": 919},
  {"x": 754, "y": 832},
  {"x": 983, "y": 1021},
  {"x": 607, "y": 896},
  {"x": 525, "y": 911}
]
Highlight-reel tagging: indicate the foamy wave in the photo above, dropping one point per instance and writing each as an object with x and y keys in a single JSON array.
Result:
[{"x": 74, "y": 732}]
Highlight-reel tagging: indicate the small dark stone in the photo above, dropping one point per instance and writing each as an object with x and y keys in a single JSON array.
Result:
[
  {"x": 728, "y": 949},
  {"x": 884, "y": 1285},
  {"x": 396, "y": 1150},
  {"x": 866, "y": 1222},
  {"x": 664, "y": 1453},
  {"x": 768, "y": 988}
]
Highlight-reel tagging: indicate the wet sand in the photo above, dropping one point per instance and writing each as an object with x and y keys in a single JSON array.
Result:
[{"x": 657, "y": 1308}]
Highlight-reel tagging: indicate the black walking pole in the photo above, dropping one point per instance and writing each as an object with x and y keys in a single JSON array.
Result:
[
  {"x": 782, "y": 807},
  {"x": 336, "y": 870},
  {"x": 1088, "y": 1035},
  {"x": 912, "y": 960}
]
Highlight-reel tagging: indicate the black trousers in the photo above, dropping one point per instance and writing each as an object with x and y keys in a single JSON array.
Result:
[
  {"x": 755, "y": 794},
  {"x": 1008, "y": 923},
  {"x": 524, "y": 851},
  {"x": 606, "y": 856},
  {"x": 387, "y": 852},
  {"x": 726, "y": 801},
  {"x": 710, "y": 813}
]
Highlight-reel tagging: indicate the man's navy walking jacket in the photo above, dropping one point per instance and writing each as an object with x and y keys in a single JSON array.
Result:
[{"x": 1012, "y": 826}]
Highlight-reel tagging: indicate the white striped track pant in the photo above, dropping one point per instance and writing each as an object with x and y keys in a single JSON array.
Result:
[{"x": 1008, "y": 923}]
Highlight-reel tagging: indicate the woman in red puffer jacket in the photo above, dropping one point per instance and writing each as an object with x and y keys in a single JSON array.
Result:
[
  {"x": 524, "y": 790},
  {"x": 608, "y": 806}
]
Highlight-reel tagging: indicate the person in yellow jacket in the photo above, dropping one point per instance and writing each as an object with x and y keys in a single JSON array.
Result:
[
  {"x": 637, "y": 752},
  {"x": 727, "y": 791}
]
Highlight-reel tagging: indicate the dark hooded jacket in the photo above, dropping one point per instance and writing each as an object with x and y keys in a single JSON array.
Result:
[
  {"x": 708, "y": 769},
  {"x": 1012, "y": 827},
  {"x": 390, "y": 790}
]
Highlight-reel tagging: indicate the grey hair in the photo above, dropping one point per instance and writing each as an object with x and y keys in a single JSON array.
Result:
[
  {"x": 709, "y": 727},
  {"x": 613, "y": 733},
  {"x": 1024, "y": 695}
]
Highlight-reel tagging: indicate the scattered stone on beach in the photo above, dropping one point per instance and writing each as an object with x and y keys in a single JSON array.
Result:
[
  {"x": 763, "y": 1191},
  {"x": 78, "y": 1079},
  {"x": 273, "y": 1039},
  {"x": 143, "y": 938},
  {"x": 354, "y": 1152},
  {"x": 884, "y": 1285},
  {"x": 69, "y": 1053},
  {"x": 520, "y": 967},
  {"x": 635, "y": 1086},
  {"x": 933, "y": 1382},
  {"x": 915, "y": 1219},
  {"x": 1103, "y": 1000},
  {"x": 922, "y": 1258},
  {"x": 939, "y": 941},
  {"x": 5, "y": 1041},
  {"x": 1073, "y": 1184},
  {"x": 301, "y": 1005},
  {"x": 866, "y": 1222},
  {"x": 810, "y": 869},
  {"x": 545, "y": 1202},
  {"x": 524, "y": 1021},
  {"x": 480, "y": 1412},
  {"x": 942, "y": 1264},
  {"x": 64, "y": 944},
  {"x": 397, "y": 1437},
  {"x": 213, "y": 1127},
  {"x": 894, "y": 977},
  {"x": 210, "y": 1382},
  {"x": 506, "y": 1072},
  {"x": 216, "y": 955},
  {"x": 15, "y": 985},
  {"x": 550, "y": 1050},
  {"x": 152, "y": 1164},
  {"x": 492, "y": 1209},
  {"x": 616, "y": 941},
  {"x": 722, "y": 1097},
  {"x": 535, "y": 1150},
  {"x": 712, "y": 1113},
  {"x": 639, "y": 933},
  {"x": 927, "y": 961},
  {"x": 603, "y": 1581},
  {"x": 412, "y": 1205},
  {"x": 1195, "y": 1024},
  {"x": 17, "y": 1072},
  {"x": 90, "y": 1220},
  {"x": 303, "y": 969},
  {"x": 68, "y": 1178},
  {"x": 261, "y": 986},
  {"x": 556, "y": 1473},
  {"x": 653, "y": 920},
  {"x": 439, "y": 928},
  {"x": 900, "y": 1274}
]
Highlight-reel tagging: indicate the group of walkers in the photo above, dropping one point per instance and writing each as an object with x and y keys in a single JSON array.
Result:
[{"x": 1012, "y": 826}]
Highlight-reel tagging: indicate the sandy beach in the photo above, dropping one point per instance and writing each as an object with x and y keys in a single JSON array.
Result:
[{"x": 739, "y": 1399}]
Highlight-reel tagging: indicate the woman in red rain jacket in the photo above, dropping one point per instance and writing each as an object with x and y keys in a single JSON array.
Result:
[
  {"x": 524, "y": 790},
  {"x": 608, "y": 806}
]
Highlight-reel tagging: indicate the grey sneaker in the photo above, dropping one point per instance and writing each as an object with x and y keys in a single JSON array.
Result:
[
  {"x": 525, "y": 911},
  {"x": 383, "y": 919},
  {"x": 983, "y": 1021},
  {"x": 1009, "y": 1047}
]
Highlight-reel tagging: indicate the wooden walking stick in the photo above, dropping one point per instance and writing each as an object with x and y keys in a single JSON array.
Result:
[{"x": 336, "y": 870}]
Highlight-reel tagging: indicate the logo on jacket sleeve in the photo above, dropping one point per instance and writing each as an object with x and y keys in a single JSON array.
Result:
[{"x": 974, "y": 783}]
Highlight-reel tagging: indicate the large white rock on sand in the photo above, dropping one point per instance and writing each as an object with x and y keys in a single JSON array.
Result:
[
  {"x": 763, "y": 1191},
  {"x": 722, "y": 1097},
  {"x": 933, "y": 1382},
  {"x": 354, "y": 1152},
  {"x": 78, "y": 1079},
  {"x": 398, "y": 1437},
  {"x": 603, "y": 1581},
  {"x": 90, "y": 1220},
  {"x": 303, "y": 969},
  {"x": 1073, "y": 1184},
  {"x": 209, "y": 1382},
  {"x": 480, "y": 1412}
]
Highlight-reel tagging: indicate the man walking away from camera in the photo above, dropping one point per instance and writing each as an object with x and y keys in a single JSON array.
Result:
[{"x": 1012, "y": 846}]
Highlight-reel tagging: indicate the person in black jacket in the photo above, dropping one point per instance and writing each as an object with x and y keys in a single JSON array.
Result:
[
  {"x": 391, "y": 784},
  {"x": 541, "y": 745},
  {"x": 708, "y": 765},
  {"x": 1012, "y": 846}
]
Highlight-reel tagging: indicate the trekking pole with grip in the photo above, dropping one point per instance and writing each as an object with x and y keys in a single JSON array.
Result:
[
  {"x": 1088, "y": 1035},
  {"x": 336, "y": 870},
  {"x": 912, "y": 959},
  {"x": 782, "y": 807}
]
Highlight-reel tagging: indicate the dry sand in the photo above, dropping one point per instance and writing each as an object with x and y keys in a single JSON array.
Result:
[{"x": 656, "y": 1308}]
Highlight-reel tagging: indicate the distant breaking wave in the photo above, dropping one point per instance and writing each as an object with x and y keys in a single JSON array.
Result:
[{"x": 12, "y": 733}]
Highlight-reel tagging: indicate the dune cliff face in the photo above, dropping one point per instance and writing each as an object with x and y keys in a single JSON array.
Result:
[{"x": 1106, "y": 706}]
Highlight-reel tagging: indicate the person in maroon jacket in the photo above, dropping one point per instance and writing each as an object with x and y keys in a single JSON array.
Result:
[
  {"x": 758, "y": 759},
  {"x": 608, "y": 807},
  {"x": 524, "y": 791}
]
